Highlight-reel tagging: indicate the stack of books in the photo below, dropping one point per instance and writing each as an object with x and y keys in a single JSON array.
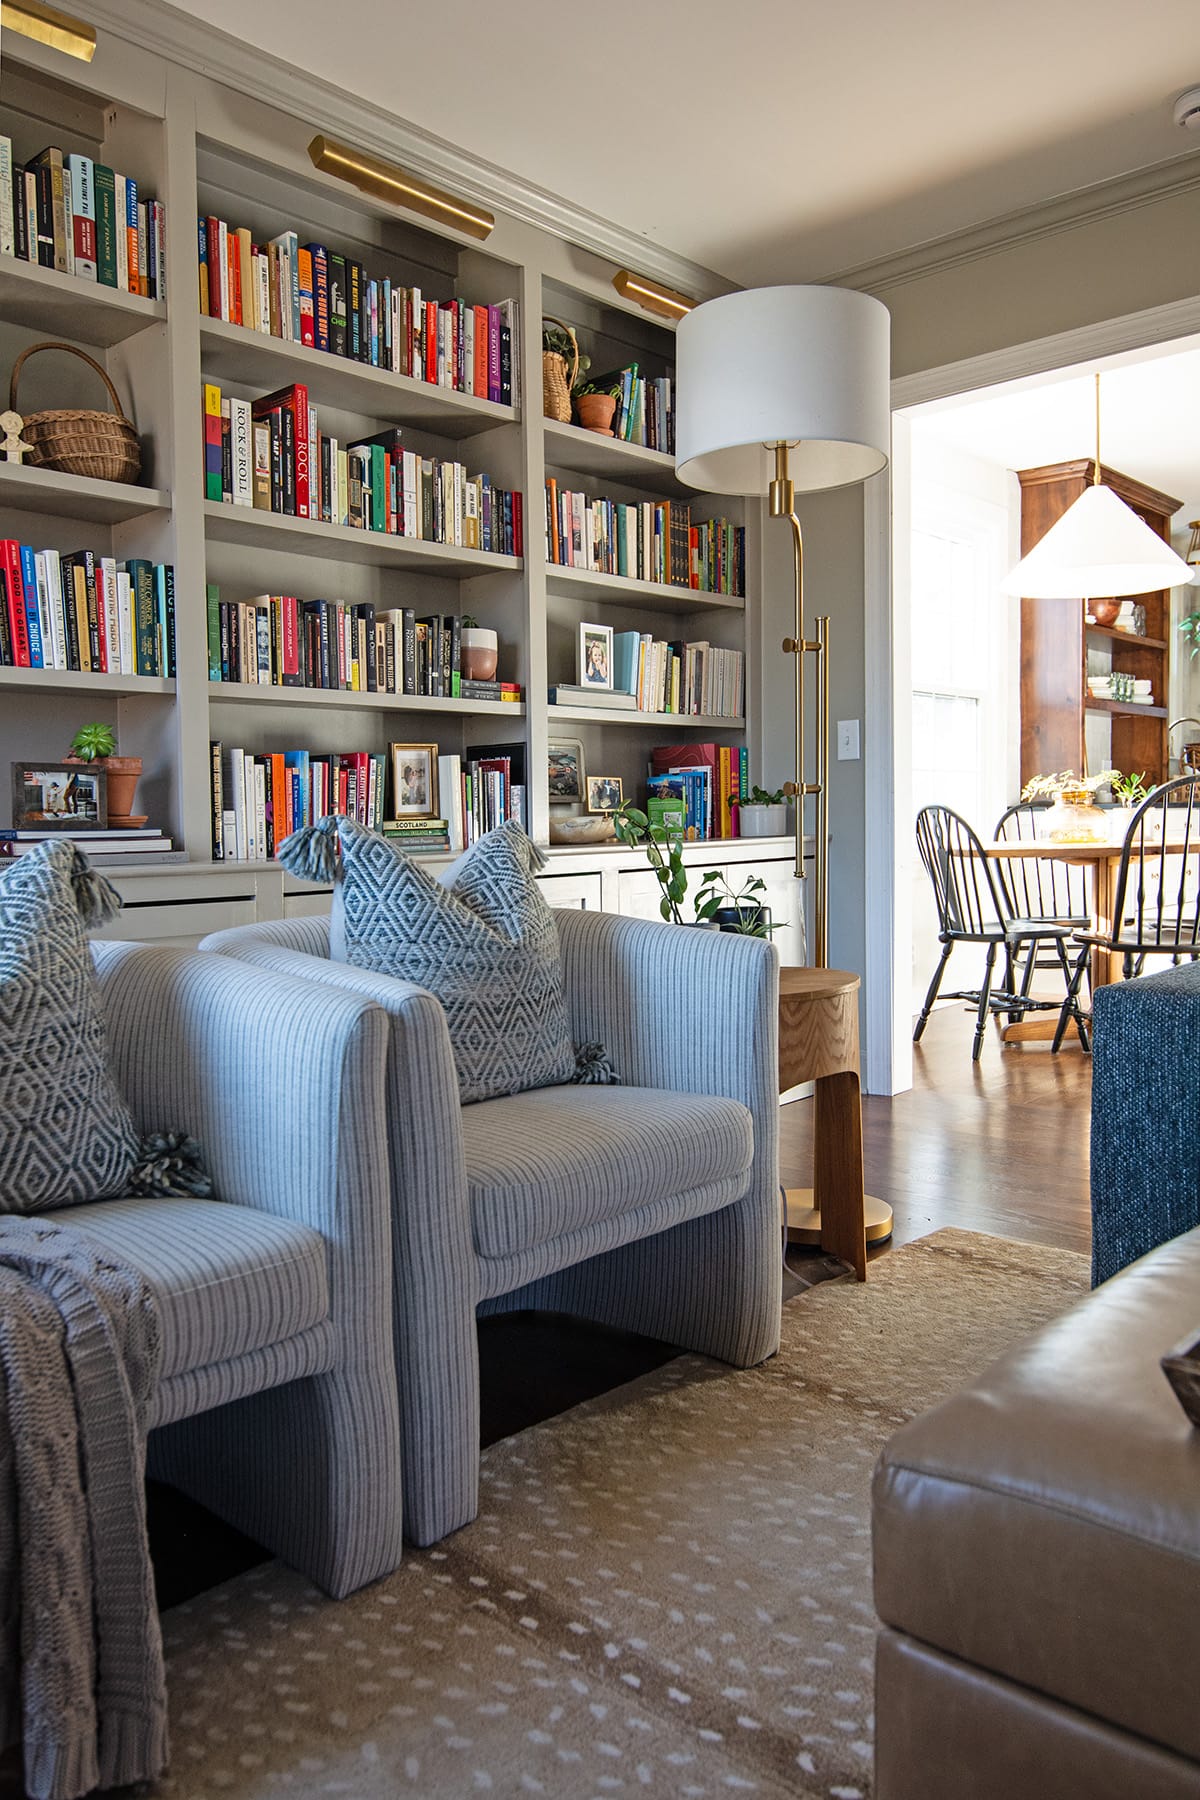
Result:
[
  {"x": 707, "y": 780},
  {"x": 420, "y": 837},
  {"x": 270, "y": 453},
  {"x": 82, "y": 218},
  {"x": 111, "y": 848},
  {"x": 260, "y": 799},
  {"x": 278, "y": 640},
  {"x": 85, "y": 612},
  {"x": 644, "y": 540},
  {"x": 679, "y": 677},
  {"x": 309, "y": 294}
]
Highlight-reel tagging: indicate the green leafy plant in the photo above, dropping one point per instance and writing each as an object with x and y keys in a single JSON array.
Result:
[
  {"x": 1189, "y": 628},
  {"x": 760, "y": 797},
  {"x": 717, "y": 895},
  {"x": 556, "y": 340},
  {"x": 1129, "y": 789},
  {"x": 664, "y": 853},
  {"x": 469, "y": 622},
  {"x": 581, "y": 388},
  {"x": 1049, "y": 787},
  {"x": 93, "y": 741}
]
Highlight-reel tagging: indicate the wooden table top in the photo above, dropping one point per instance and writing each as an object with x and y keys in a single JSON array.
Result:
[
  {"x": 1042, "y": 849},
  {"x": 815, "y": 984}
]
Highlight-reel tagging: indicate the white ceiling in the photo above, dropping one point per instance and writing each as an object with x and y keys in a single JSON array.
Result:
[
  {"x": 770, "y": 140},
  {"x": 1149, "y": 421}
]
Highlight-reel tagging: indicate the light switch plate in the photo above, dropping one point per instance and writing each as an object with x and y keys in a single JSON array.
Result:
[{"x": 847, "y": 740}]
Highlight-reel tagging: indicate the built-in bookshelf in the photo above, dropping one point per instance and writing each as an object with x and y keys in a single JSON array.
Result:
[{"x": 211, "y": 152}]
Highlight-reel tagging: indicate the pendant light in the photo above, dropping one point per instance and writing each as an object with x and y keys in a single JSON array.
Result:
[{"x": 1099, "y": 549}]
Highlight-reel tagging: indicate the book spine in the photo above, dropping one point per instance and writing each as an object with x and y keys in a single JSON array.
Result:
[
  {"x": 212, "y": 596},
  {"x": 338, "y": 339},
  {"x": 33, "y": 622},
  {"x": 18, "y": 627},
  {"x": 141, "y": 575},
  {"x": 240, "y": 426},
  {"x": 106, "y": 584},
  {"x": 304, "y": 285},
  {"x": 83, "y": 210},
  {"x": 320, "y": 276},
  {"x": 133, "y": 267},
  {"x": 212, "y": 442},
  {"x": 106, "y": 225},
  {"x": 8, "y": 235}
]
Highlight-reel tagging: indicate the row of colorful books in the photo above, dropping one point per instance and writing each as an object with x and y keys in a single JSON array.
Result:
[
  {"x": 309, "y": 294},
  {"x": 645, "y": 407},
  {"x": 278, "y": 640},
  {"x": 85, "y": 612},
  {"x": 76, "y": 215},
  {"x": 679, "y": 677},
  {"x": 270, "y": 453},
  {"x": 260, "y": 798},
  {"x": 695, "y": 788},
  {"x": 645, "y": 540}
]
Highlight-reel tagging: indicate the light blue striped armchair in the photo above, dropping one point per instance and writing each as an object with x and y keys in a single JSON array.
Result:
[
  {"x": 276, "y": 1404},
  {"x": 652, "y": 1206}
]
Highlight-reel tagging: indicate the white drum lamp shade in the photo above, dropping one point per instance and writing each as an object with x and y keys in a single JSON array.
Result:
[
  {"x": 1099, "y": 549},
  {"x": 807, "y": 366}
]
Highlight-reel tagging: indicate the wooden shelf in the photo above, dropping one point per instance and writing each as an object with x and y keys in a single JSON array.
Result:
[
  {"x": 234, "y": 353},
  {"x": 65, "y": 306},
  {"x": 75, "y": 681},
  {"x": 279, "y": 531},
  {"x": 256, "y": 694},
  {"x": 620, "y": 590},
  {"x": 1125, "y": 709},
  {"x": 597, "y": 715},
  {"x": 1125, "y": 637},
  {"x": 590, "y": 453},
  {"x": 77, "y": 496}
]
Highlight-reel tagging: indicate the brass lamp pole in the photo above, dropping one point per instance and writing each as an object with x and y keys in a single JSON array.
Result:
[{"x": 781, "y": 496}]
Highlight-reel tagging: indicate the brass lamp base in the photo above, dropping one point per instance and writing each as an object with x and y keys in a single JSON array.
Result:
[{"x": 804, "y": 1221}]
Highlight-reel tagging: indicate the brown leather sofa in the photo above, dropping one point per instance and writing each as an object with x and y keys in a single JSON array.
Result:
[{"x": 1037, "y": 1565}]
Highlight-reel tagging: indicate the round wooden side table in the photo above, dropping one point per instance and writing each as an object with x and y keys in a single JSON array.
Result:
[{"x": 818, "y": 1042}]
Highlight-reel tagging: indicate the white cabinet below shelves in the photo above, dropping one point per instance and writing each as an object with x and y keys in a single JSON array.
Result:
[{"x": 583, "y": 891}]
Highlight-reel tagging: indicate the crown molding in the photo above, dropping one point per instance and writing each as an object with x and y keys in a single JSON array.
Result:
[
  {"x": 1082, "y": 206},
  {"x": 190, "y": 43}
]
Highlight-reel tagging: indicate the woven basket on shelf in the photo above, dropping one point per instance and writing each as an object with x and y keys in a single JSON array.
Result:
[
  {"x": 101, "y": 444},
  {"x": 556, "y": 382}
]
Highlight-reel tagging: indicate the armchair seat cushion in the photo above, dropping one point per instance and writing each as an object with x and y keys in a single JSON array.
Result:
[
  {"x": 546, "y": 1163},
  {"x": 228, "y": 1280}
]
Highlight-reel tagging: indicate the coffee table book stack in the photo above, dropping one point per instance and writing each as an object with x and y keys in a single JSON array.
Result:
[{"x": 442, "y": 409}]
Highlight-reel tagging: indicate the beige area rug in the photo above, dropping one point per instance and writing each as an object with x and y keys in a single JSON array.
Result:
[{"x": 667, "y": 1591}]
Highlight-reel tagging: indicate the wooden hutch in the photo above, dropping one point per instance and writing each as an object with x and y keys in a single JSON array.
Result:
[{"x": 1056, "y": 640}]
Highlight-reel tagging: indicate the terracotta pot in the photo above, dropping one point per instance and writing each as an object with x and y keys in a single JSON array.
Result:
[
  {"x": 1104, "y": 611},
  {"x": 479, "y": 653},
  {"x": 596, "y": 412},
  {"x": 123, "y": 773}
]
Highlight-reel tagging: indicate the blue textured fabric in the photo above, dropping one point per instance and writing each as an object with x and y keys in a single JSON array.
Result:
[
  {"x": 298, "y": 1443},
  {"x": 1145, "y": 1162},
  {"x": 698, "y": 1266}
]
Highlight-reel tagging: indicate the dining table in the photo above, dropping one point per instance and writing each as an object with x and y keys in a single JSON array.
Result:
[{"x": 1103, "y": 859}]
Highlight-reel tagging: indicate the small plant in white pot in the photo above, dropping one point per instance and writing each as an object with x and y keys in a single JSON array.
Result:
[
  {"x": 480, "y": 651},
  {"x": 763, "y": 814}
]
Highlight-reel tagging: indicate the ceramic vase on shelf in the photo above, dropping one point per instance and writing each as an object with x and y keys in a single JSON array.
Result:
[
  {"x": 596, "y": 412},
  {"x": 480, "y": 653},
  {"x": 1074, "y": 818}
]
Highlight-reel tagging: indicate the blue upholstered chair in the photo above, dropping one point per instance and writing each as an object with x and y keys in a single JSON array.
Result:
[
  {"x": 652, "y": 1206},
  {"x": 1145, "y": 1116},
  {"x": 276, "y": 1405}
]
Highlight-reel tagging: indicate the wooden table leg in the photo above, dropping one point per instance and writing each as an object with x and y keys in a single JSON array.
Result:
[{"x": 838, "y": 1168}]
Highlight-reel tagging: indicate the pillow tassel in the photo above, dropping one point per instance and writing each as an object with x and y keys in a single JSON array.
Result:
[
  {"x": 311, "y": 854},
  {"x": 97, "y": 899},
  {"x": 593, "y": 1067}
]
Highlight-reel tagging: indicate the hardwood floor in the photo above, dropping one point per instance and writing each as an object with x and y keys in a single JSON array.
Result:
[{"x": 1000, "y": 1145}]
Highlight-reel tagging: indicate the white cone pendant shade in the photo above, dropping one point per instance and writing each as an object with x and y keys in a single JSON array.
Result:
[
  {"x": 800, "y": 365},
  {"x": 1099, "y": 549}
]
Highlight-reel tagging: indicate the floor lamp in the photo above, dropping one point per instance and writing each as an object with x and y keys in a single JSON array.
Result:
[
  {"x": 783, "y": 388},
  {"x": 779, "y": 389}
]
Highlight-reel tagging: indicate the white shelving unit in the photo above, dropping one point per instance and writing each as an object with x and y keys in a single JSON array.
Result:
[{"x": 206, "y": 147}]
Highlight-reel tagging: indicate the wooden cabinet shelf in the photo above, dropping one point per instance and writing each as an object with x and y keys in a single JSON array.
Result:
[
  {"x": 59, "y": 305},
  {"x": 1057, "y": 644}
]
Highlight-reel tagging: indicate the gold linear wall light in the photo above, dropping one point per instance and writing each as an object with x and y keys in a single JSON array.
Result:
[
  {"x": 384, "y": 181},
  {"x": 46, "y": 25},
  {"x": 651, "y": 295}
]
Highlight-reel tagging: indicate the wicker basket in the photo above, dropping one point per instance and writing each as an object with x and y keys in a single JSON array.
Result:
[
  {"x": 101, "y": 444},
  {"x": 556, "y": 383}
]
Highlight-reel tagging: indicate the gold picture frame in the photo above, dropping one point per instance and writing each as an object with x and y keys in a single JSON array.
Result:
[{"x": 414, "y": 781}]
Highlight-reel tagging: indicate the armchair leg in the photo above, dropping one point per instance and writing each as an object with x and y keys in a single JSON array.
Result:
[
  {"x": 985, "y": 994},
  {"x": 932, "y": 995}
]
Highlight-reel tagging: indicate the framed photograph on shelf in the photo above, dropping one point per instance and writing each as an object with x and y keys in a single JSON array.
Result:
[
  {"x": 595, "y": 656},
  {"x": 566, "y": 773},
  {"x": 414, "y": 781},
  {"x": 50, "y": 796},
  {"x": 604, "y": 793}
]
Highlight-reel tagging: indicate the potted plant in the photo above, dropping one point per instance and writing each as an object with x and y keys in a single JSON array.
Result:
[
  {"x": 763, "y": 814},
  {"x": 734, "y": 909},
  {"x": 480, "y": 651},
  {"x": 664, "y": 853},
  {"x": 1074, "y": 817},
  {"x": 596, "y": 407},
  {"x": 563, "y": 366},
  {"x": 98, "y": 743}
]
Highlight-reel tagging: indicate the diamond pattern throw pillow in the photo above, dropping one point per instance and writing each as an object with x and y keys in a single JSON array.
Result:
[
  {"x": 66, "y": 1133},
  {"x": 481, "y": 937}
]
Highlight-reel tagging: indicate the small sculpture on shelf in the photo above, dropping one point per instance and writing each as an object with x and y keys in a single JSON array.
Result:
[{"x": 14, "y": 447}]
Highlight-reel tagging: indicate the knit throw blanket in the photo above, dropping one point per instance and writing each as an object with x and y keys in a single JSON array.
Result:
[{"x": 82, "y": 1684}]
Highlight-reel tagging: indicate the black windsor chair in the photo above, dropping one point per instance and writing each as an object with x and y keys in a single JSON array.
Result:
[
  {"x": 1041, "y": 891},
  {"x": 974, "y": 906},
  {"x": 1156, "y": 899}
]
